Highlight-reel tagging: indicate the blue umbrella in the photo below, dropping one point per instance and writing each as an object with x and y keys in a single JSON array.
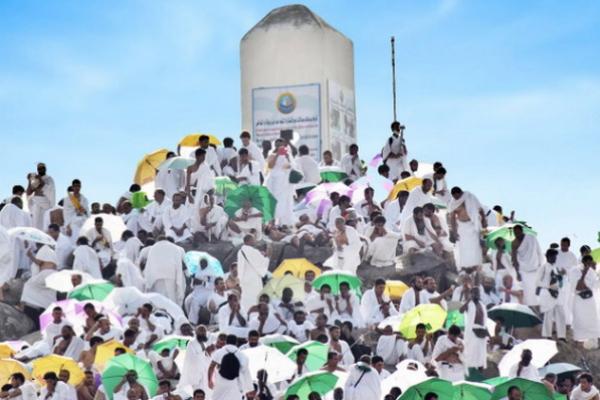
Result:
[{"x": 192, "y": 262}]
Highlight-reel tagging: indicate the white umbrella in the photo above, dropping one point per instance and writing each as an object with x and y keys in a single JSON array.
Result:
[
  {"x": 112, "y": 223},
  {"x": 408, "y": 373},
  {"x": 558, "y": 369},
  {"x": 278, "y": 338},
  {"x": 31, "y": 235},
  {"x": 61, "y": 280},
  {"x": 393, "y": 321},
  {"x": 176, "y": 163},
  {"x": 128, "y": 299},
  {"x": 542, "y": 351},
  {"x": 279, "y": 367}
]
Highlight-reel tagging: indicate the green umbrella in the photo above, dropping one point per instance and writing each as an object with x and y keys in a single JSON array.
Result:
[
  {"x": 118, "y": 366},
  {"x": 224, "y": 185},
  {"x": 471, "y": 391},
  {"x": 332, "y": 174},
  {"x": 321, "y": 382},
  {"x": 442, "y": 388},
  {"x": 333, "y": 278},
  {"x": 514, "y": 315},
  {"x": 596, "y": 254},
  {"x": 455, "y": 317},
  {"x": 505, "y": 232},
  {"x": 530, "y": 390},
  {"x": 171, "y": 342},
  {"x": 259, "y": 196},
  {"x": 283, "y": 343},
  {"x": 92, "y": 291},
  {"x": 317, "y": 354}
]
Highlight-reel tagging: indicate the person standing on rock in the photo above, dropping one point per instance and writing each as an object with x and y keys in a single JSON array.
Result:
[
  {"x": 466, "y": 221},
  {"x": 475, "y": 334},
  {"x": 552, "y": 296},
  {"x": 586, "y": 324},
  {"x": 527, "y": 258},
  {"x": 253, "y": 266}
]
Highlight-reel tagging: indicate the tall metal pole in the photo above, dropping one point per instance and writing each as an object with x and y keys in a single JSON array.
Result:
[{"x": 394, "y": 75}]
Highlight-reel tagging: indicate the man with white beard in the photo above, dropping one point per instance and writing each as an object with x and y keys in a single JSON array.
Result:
[
  {"x": 176, "y": 220},
  {"x": 394, "y": 151},
  {"x": 527, "y": 258},
  {"x": 466, "y": 221},
  {"x": 552, "y": 297},
  {"x": 164, "y": 270},
  {"x": 252, "y": 267},
  {"x": 42, "y": 195},
  {"x": 75, "y": 210}
]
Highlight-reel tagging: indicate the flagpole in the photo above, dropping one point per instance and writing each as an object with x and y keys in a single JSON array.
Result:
[{"x": 394, "y": 75}]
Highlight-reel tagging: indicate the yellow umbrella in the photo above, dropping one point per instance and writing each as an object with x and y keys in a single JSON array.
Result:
[
  {"x": 297, "y": 266},
  {"x": 106, "y": 351},
  {"x": 191, "y": 140},
  {"x": 146, "y": 168},
  {"x": 274, "y": 288},
  {"x": 432, "y": 315},
  {"x": 395, "y": 289},
  {"x": 55, "y": 363},
  {"x": 407, "y": 184},
  {"x": 8, "y": 367},
  {"x": 6, "y": 351}
]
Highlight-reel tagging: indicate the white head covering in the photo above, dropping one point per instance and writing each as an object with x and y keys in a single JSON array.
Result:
[{"x": 46, "y": 254}]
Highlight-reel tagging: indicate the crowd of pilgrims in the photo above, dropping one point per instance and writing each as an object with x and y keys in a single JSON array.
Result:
[{"x": 227, "y": 314}]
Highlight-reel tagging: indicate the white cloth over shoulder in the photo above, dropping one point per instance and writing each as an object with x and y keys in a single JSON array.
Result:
[{"x": 164, "y": 270}]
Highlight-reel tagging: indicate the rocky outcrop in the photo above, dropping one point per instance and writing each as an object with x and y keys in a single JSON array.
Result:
[{"x": 13, "y": 323}]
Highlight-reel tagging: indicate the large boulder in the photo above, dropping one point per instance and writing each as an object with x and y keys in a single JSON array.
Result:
[{"x": 13, "y": 323}]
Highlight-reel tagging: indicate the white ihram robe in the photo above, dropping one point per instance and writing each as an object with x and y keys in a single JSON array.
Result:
[
  {"x": 586, "y": 321},
  {"x": 39, "y": 204},
  {"x": 164, "y": 270},
  {"x": 397, "y": 165},
  {"x": 86, "y": 260},
  {"x": 195, "y": 366},
  {"x": 130, "y": 274},
  {"x": 278, "y": 183},
  {"x": 217, "y": 216},
  {"x": 469, "y": 232},
  {"x": 7, "y": 270},
  {"x": 35, "y": 293},
  {"x": 529, "y": 257},
  {"x": 176, "y": 218},
  {"x": 72, "y": 219},
  {"x": 346, "y": 258},
  {"x": 551, "y": 307},
  {"x": 170, "y": 180},
  {"x": 363, "y": 383},
  {"x": 252, "y": 266},
  {"x": 475, "y": 348}
]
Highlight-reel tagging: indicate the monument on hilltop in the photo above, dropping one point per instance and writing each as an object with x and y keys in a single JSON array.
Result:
[{"x": 297, "y": 74}]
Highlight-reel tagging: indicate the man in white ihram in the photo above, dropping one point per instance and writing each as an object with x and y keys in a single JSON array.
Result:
[
  {"x": 252, "y": 267},
  {"x": 394, "y": 151},
  {"x": 347, "y": 245},
  {"x": 164, "y": 270},
  {"x": 527, "y": 258},
  {"x": 176, "y": 220},
  {"x": 42, "y": 195},
  {"x": 552, "y": 297},
  {"x": 466, "y": 221},
  {"x": 232, "y": 380}
]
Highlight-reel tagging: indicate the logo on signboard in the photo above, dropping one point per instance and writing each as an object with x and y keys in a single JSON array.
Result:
[{"x": 286, "y": 103}]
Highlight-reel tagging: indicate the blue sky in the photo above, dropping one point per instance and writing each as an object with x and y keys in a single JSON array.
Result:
[{"x": 505, "y": 93}]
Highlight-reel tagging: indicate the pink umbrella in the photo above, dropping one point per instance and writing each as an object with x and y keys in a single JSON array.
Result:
[
  {"x": 324, "y": 190},
  {"x": 73, "y": 312}
]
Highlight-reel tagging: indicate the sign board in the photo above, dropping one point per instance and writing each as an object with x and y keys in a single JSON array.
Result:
[
  {"x": 294, "y": 107},
  {"x": 342, "y": 118}
]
